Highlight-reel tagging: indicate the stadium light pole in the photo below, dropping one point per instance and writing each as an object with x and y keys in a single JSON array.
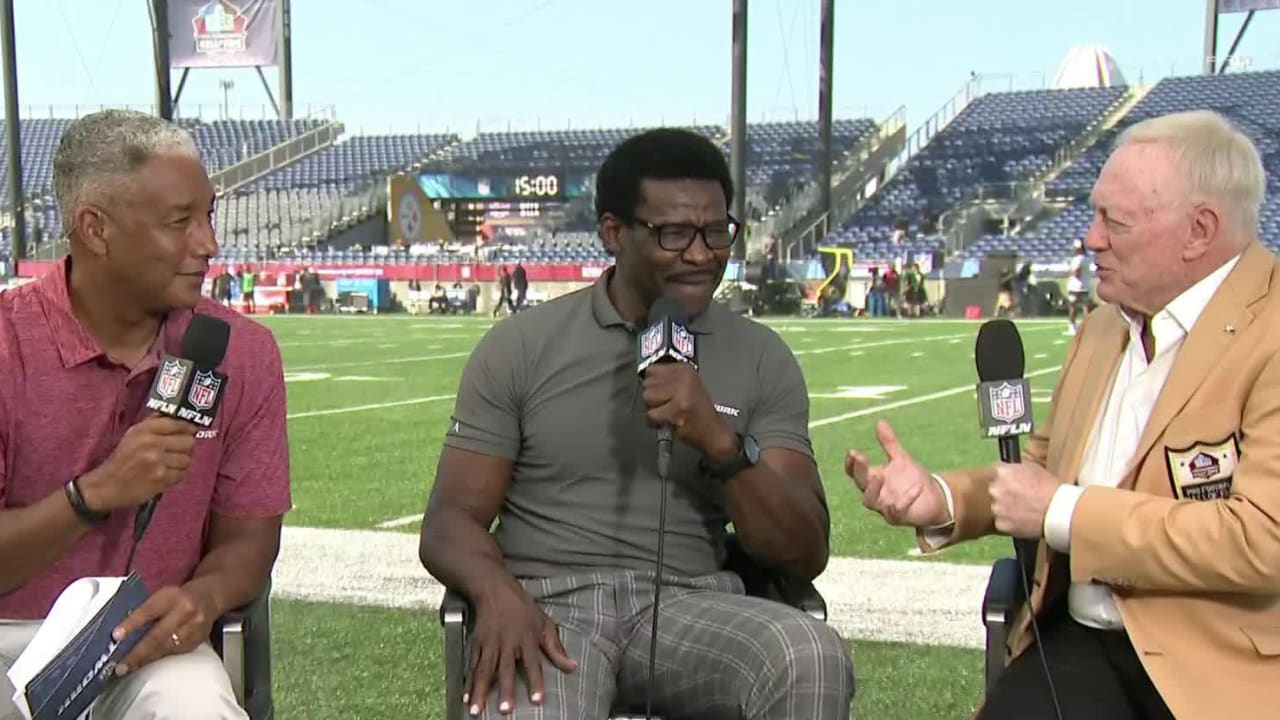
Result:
[
  {"x": 738, "y": 124},
  {"x": 18, "y": 249},
  {"x": 826, "y": 62},
  {"x": 160, "y": 29},
  {"x": 284, "y": 47},
  {"x": 1210, "y": 36}
]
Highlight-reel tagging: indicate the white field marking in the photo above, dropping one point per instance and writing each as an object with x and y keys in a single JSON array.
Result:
[
  {"x": 957, "y": 341},
  {"x": 878, "y": 343},
  {"x": 1040, "y": 356},
  {"x": 895, "y": 341},
  {"x": 1059, "y": 342},
  {"x": 855, "y": 353},
  {"x": 400, "y": 521},
  {"x": 860, "y": 392},
  {"x": 377, "y": 336},
  {"x": 306, "y": 376},
  {"x": 913, "y": 601},
  {"x": 832, "y": 328},
  {"x": 388, "y": 361},
  {"x": 912, "y": 401},
  {"x": 365, "y": 378},
  {"x": 387, "y": 345},
  {"x": 917, "y": 354},
  {"x": 375, "y": 406}
]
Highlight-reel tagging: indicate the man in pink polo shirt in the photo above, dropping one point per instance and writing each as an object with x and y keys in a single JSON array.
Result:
[{"x": 78, "y": 450}]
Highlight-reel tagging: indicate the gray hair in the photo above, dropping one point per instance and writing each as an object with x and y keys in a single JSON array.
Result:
[
  {"x": 106, "y": 148},
  {"x": 1219, "y": 161}
]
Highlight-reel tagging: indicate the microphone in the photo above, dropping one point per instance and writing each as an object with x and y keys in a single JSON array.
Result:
[
  {"x": 667, "y": 339},
  {"x": 188, "y": 388},
  {"x": 1004, "y": 413},
  {"x": 1004, "y": 407}
]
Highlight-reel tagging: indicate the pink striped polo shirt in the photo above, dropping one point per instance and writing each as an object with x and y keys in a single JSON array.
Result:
[{"x": 64, "y": 406}]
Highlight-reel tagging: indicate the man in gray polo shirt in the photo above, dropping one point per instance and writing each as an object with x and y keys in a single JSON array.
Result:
[{"x": 554, "y": 435}]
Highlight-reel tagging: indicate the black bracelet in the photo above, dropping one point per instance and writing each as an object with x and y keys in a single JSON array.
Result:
[{"x": 93, "y": 517}]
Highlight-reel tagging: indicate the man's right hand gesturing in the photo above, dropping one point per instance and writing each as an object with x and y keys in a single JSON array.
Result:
[
  {"x": 511, "y": 630},
  {"x": 901, "y": 490}
]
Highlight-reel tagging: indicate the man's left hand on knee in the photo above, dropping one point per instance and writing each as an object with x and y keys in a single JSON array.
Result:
[{"x": 182, "y": 621}]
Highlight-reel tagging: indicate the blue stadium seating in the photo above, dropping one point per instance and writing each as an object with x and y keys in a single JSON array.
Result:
[
  {"x": 357, "y": 160},
  {"x": 781, "y": 154},
  {"x": 1250, "y": 100},
  {"x": 998, "y": 138}
]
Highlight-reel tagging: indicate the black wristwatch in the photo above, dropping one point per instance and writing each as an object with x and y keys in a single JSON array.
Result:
[
  {"x": 93, "y": 517},
  {"x": 748, "y": 455}
]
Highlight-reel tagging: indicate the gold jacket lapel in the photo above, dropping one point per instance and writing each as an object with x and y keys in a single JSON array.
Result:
[
  {"x": 1105, "y": 343},
  {"x": 1208, "y": 341}
]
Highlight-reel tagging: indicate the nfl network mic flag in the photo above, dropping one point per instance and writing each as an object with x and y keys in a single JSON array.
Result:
[
  {"x": 1004, "y": 408},
  {"x": 182, "y": 391},
  {"x": 667, "y": 340}
]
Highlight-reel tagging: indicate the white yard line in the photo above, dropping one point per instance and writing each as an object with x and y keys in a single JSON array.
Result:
[
  {"x": 375, "y": 406},
  {"x": 387, "y": 361},
  {"x": 911, "y": 401},
  {"x": 400, "y": 521},
  {"x": 920, "y": 602},
  {"x": 855, "y": 344}
]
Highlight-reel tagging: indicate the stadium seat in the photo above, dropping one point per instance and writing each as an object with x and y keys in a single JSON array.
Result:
[
  {"x": 455, "y": 616},
  {"x": 1000, "y": 604},
  {"x": 242, "y": 638}
]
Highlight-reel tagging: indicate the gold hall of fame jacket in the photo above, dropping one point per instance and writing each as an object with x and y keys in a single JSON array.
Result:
[{"x": 1189, "y": 541}]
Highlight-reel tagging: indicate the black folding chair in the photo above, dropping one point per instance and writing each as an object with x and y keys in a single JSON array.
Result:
[{"x": 242, "y": 638}]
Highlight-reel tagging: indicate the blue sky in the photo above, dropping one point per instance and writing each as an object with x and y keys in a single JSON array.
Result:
[{"x": 409, "y": 65}]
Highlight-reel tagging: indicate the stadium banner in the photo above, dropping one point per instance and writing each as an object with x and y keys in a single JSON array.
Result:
[
  {"x": 414, "y": 218},
  {"x": 1239, "y": 6},
  {"x": 222, "y": 33}
]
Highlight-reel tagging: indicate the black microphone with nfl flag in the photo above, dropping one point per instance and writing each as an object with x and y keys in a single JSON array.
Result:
[
  {"x": 1004, "y": 413},
  {"x": 188, "y": 388},
  {"x": 666, "y": 339},
  {"x": 1004, "y": 395}
]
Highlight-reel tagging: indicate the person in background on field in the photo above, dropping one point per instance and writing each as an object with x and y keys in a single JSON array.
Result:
[
  {"x": 248, "y": 282},
  {"x": 1078, "y": 275}
]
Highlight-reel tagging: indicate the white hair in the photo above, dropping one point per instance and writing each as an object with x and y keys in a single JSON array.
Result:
[
  {"x": 106, "y": 148},
  {"x": 1219, "y": 161}
]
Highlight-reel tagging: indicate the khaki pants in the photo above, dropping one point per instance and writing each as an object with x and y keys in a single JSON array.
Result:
[{"x": 191, "y": 686}]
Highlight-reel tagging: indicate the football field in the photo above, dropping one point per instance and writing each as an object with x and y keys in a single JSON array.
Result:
[{"x": 354, "y": 626}]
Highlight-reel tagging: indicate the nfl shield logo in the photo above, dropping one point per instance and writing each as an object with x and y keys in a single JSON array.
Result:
[
  {"x": 170, "y": 380},
  {"x": 204, "y": 390},
  {"x": 682, "y": 341},
  {"x": 651, "y": 341},
  {"x": 1006, "y": 402}
]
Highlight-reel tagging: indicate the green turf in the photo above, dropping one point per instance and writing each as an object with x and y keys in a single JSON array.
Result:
[
  {"x": 358, "y": 469},
  {"x": 333, "y": 662}
]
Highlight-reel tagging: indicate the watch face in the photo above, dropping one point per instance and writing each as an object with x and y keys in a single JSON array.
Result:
[{"x": 750, "y": 449}]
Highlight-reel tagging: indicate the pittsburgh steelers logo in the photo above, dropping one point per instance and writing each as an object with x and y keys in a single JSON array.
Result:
[{"x": 410, "y": 217}]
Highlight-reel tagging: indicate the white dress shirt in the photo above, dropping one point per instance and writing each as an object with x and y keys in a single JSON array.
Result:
[{"x": 1113, "y": 441}]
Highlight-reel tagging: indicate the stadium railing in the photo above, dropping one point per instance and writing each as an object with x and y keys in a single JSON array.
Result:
[
  {"x": 457, "y": 619},
  {"x": 242, "y": 638}
]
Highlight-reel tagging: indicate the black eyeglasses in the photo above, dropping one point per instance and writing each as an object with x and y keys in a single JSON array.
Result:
[{"x": 677, "y": 237}]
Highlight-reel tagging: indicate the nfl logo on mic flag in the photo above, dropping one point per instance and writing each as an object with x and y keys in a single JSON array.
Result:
[
  {"x": 1003, "y": 408},
  {"x": 204, "y": 390},
  {"x": 1007, "y": 402},
  {"x": 172, "y": 375}
]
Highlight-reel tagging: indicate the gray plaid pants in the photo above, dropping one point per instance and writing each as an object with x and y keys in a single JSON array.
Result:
[{"x": 721, "y": 653}]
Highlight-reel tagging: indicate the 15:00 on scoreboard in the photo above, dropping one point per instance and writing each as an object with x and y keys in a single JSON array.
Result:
[{"x": 538, "y": 186}]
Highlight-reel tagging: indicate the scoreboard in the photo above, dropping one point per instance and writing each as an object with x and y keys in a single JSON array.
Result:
[{"x": 514, "y": 185}]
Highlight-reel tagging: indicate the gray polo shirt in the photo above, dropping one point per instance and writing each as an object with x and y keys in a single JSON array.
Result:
[{"x": 554, "y": 389}]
